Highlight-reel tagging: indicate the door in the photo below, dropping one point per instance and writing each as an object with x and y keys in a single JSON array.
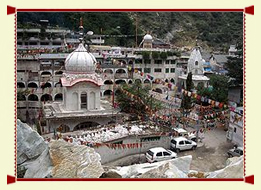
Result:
[
  {"x": 188, "y": 145},
  {"x": 166, "y": 155},
  {"x": 182, "y": 145},
  {"x": 159, "y": 156}
]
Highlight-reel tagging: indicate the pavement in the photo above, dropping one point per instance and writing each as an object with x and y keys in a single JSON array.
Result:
[{"x": 210, "y": 155}]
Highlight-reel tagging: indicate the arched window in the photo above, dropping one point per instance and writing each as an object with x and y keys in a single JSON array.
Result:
[
  {"x": 33, "y": 97},
  {"x": 137, "y": 81},
  {"x": 83, "y": 100},
  {"x": 46, "y": 73},
  {"x": 46, "y": 97},
  {"x": 120, "y": 82},
  {"x": 120, "y": 71},
  {"x": 21, "y": 98},
  {"x": 196, "y": 63},
  {"x": 58, "y": 97},
  {"x": 130, "y": 81},
  {"x": 108, "y": 71},
  {"x": 107, "y": 93},
  {"x": 20, "y": 85},
  {"x": 32, "y": 85},
  {"x": 58, "y": 72},
  {"x": 108, "y": 82}
]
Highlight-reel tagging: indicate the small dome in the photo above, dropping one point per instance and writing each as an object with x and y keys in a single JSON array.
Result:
[
  {"x": 80, "y": 61},
  {"x": 147, "y": 37}
]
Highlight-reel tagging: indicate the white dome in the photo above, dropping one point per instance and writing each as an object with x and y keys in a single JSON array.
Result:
[
  {"x": 147, "y": 37},
  {"x": 80, "y": 61}
]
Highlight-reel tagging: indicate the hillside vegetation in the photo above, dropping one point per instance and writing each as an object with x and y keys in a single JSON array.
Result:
[{"x": 213, "y": 30}]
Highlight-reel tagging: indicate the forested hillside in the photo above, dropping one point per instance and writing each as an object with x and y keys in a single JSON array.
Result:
[{"x": 213, "y": 30}]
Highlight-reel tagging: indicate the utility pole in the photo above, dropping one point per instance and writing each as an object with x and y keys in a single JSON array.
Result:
[{"x": 136, "y": 29}]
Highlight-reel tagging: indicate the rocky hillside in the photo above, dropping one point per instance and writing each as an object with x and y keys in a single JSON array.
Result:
[{"x": 215, "y": 30}]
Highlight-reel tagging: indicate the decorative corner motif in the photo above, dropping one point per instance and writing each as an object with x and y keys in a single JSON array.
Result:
[
  {"x": 10, "y": 179},
  {"x": 249, "y": 179},
  {"x": 10, "y": 10},
  {"x": 249, "y": 10}
]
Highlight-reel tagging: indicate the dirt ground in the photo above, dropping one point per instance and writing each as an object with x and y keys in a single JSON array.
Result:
[{"x": 209, "y": 156}]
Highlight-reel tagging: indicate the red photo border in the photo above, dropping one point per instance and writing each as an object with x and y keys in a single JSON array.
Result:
[{"x": 14, "y": 10}]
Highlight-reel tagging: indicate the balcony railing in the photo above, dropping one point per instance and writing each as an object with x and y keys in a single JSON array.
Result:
[
  {"x": 121, "y": 76},
  {"x": 34, "y": 104}
]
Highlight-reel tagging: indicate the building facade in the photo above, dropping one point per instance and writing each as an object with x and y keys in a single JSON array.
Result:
[{"x": 235, "y": 131}]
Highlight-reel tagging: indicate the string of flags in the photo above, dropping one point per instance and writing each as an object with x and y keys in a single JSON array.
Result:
[
  {"x": 130, "y": 145},
  {"x": 204, "y": 99},
  {"x": 147, "y": 108}
]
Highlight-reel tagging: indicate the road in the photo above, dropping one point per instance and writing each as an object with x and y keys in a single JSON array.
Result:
[{"x": 211, "y": 154}]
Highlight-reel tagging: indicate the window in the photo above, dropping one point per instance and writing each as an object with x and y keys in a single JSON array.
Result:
[
  {"x": 157, "y": 70},
  {"x": 187, "y": 142},
  {"x": 173, "y": 141},
  {"x": 147, "y": 70},
  {"x": 181, "y": 142},
  {"x": 159, "y": 154},
  {"x": 84, "y": 100},
  {"x": 146, "y": 61},
  {"x": 167, "y": 70},
  {"x": 138, "y": 61},
  {"x": 167, "y": 62},
  {"x": 44, "y": 43},
  {"x": 196, "y": 63},
  {"x": 172, "y": 70},
  {"x": 158, "y": 61},
  {"x": 235, "y": 130},
  {"x": 166, "y": 154},
  {"x": 172, "y": 62}
]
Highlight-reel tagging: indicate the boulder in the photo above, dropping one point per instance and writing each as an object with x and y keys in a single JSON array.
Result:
[
  {"x": 74, "y": 161},
  {"x": 30, "y": 144},
  {"x": 32, "y": 153},
  {"x": 234, "y": 169},
  {"x": 175, "y": 168}
]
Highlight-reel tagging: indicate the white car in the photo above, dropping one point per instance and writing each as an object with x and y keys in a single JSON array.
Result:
[
  {"x": 183, "y": 133},
  {"x": 159, "y": 154},
  {"x": 181, "y": 143}
]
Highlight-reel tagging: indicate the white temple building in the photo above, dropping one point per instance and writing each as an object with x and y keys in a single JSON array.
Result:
[
  {"x": 82, "y": 106},
  {"x": 196, "y": 67}
]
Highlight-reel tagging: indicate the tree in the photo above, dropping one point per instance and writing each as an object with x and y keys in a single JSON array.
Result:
[
  {"x": 186, "y": 100},
  {"x": 130, "y": 104},
  {"x": 220, "y": 88},
  {"x": 234, "y": 66}
]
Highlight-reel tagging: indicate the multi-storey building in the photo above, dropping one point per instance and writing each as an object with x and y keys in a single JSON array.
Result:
[{"x": 41, "y": 67}]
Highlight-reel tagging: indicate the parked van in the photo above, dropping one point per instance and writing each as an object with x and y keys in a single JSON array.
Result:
[
  {"x": 181, "y": 143},
  {"x": 183, "y": 133}
]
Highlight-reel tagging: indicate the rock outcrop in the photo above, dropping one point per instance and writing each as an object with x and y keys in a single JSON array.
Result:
[
  {"x": 234, "y": 169},
  {"x": 74, "y": 161},
  {"x": 175, "y": 168},
  {"x": 32, "y": 153}
]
